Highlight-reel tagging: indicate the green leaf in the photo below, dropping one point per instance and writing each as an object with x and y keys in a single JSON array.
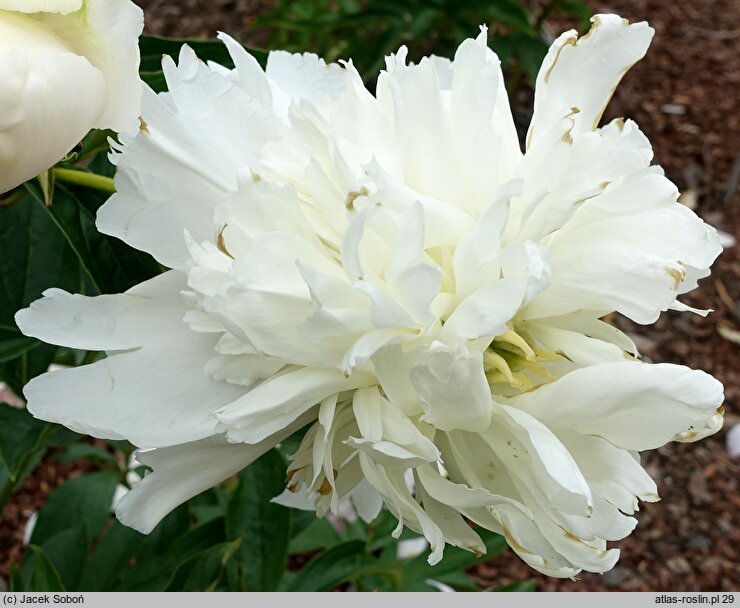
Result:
[
  {"x": 318, "y": 535},
  {"x": 510, "y": 12},
  {"x": 331, "y": 568},
  {"x": 380, "y": 531},
  {"x": 156, "y": 556},
  {"x": 20, "y": 433},
  {"x": 17, "y": 372},
  {"x": 101, "y": 263},
  {"x": 66, "y": 551},
  {"x": 172, "y": 527},
  {"x": 526, "y": 50},
  {"x": 34, "y": 256},
  {"x": 577, "y": 8},
  {"x": 209, "y": 504},
  {"x": 13, "y": 344},
  {"x": 112, "y": 553},
  {"x": 95, "y": 143},
  {"x": 85, "y": 500},
  {"x": 263, "y": 526},
  {"x": 204, "y": 571},
  {"x": 23, "y": 441},
  {"x": 44, "y": 576},
  {"x": 16, "y": 579},
  {"x": 155, "y": 80},
  {"x": 10, "y": 482},
  {"x": 301, "y": 519},
  {"x": 86, "y": 451},
  {"x": 421, "y": 22},
  {"x": 155, "y": 572}
]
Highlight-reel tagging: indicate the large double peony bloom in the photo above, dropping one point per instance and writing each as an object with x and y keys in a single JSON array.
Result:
[{"x": 394, "y": 272}]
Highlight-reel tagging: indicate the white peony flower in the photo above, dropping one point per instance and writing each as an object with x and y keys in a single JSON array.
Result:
[
  {"x": 67, "y": 66},
  {"x": 393, "y": 271}
]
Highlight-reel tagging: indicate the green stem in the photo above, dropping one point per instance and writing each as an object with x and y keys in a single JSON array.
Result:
[
  {"x": 24, "y": 369},
  {"x": 86, "y": 179},
  {"x": 5, "y": 493},
  {"x": 91, "y": 356}
]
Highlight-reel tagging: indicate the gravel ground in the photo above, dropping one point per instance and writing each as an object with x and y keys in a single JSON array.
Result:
[{"x": 684, "y": 96}]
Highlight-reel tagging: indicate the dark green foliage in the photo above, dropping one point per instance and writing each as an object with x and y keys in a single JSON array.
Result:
[
  {"x": 261, "y": 528},
  {"x": 368, "y": 30},
  {"x": 23, "y": 441},
  {"x": 42, "y": 574},
  {"x": 332, "y": 567},
  {"x": 34, "y": 256},
  {"x": 81, "y": 502},
  {"x": 244, "y": 544}
]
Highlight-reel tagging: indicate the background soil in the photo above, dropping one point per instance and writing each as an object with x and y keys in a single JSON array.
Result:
[{"x": 684, "y": 97}]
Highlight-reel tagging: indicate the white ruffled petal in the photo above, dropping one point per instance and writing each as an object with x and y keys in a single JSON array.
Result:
[
  {"x": 452, "y": 389},
  {"x": 537, "y": 459},
  {"x": 529, "y": 543},
  {"x": 613, "y": 473},
  {"x": 486, "y": 144},
  {"x": 248, "y": 73},
  {"x": 616, "y": 254},
  {"x": 583, "y": 73},
  {"x": 635, "y": 406},
  {"x": 154, "y": 396},
  {"x": 108, "y": 322},
  {"x": 388, "y": 437},
  {"x": 179, "y": 473},
  {"x": 202, "y": 132},
  {"x": 280, "y": 400},
  {"x": 294, "y": 77},
  {"x": 183, "y": 471}
]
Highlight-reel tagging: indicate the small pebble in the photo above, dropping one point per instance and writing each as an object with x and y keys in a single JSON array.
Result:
[
  {"x": 733, "y": 441},
  {"x": 725, "y": 239},
  {"x": 673, "y": 108},
  {"x": 689, "y": 199},
  {"x": 616, "y": 576},
  {"x": 678, "y": 564},
  {"x": 411, "y": 548},
  {"x": 699, "y": 542}
]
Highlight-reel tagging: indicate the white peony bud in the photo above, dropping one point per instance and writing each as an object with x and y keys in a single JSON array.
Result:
[{"x": 67, "y": 66}]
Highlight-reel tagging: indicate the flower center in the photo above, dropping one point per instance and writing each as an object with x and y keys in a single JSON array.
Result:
[{"x": 512, "y": 361}]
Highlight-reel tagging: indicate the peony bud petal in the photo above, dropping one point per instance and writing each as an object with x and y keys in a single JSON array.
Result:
[{"x": 67, "y": 67}]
